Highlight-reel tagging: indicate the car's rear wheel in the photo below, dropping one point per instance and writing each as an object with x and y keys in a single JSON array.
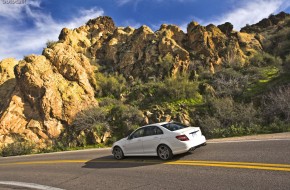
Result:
[
  {"x": 118, "y": 153},
  {"x": 164, "y": 152}
]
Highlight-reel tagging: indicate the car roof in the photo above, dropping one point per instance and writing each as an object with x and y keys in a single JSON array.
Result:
[{"x": 161, "y": 123}]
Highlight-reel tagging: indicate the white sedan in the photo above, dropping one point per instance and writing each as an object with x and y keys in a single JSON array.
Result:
[{"x": 160, "y": 139}]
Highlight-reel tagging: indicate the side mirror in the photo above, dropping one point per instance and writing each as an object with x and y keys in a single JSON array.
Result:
[{"x": 129, "y": 137}]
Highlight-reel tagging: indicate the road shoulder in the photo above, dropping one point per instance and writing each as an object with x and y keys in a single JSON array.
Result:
[{"x": 275, "y": 136}]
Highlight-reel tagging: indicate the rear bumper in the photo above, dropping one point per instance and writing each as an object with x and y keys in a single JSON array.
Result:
[{"x": 189, "y": 145}]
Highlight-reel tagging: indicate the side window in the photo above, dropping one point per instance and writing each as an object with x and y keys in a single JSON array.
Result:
[
  {"x": 149, "y": 131},
  {"x": 138, "y": 133},
  {"x": 158, "y": 131},
  {"x": 152, "y": 130}
]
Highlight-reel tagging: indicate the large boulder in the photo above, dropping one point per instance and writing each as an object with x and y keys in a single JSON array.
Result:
[{"x": 50, "y": 90}]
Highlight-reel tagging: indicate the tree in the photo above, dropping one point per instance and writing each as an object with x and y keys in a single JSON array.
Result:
[
  {"x": 123, "y": 119},
  {"x": 93, "y": 123}
]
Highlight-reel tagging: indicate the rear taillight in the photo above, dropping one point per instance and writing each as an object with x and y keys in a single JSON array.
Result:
[{"x": 182, "y": 137}]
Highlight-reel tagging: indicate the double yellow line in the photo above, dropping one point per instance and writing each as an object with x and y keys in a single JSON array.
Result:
[{"x": 239, "y": 165}]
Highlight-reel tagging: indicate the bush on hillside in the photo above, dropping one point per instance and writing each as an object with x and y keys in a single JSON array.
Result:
[
  {"x": 110, "y": 85},
  {"x": 169, "y": 90},
  {"x": 286, "y": 65},
  {"x": 276, "y": 104},
  {"x": 229, "y": 82},
  {"x": 265, "y": 59},
  {"x": 93, "y": 124},
  {"x": 112, "y": 116},
  {"x": 224, "y": 117},
  {"x": 50, "y": 43},
  {"x": 17, "y": 148},
  {"x": 124, "y": 119}
]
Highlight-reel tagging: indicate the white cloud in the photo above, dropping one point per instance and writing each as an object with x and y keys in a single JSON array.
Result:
[
  {"x": 18, "y": 43},
  {"x": 123, "y": 2},
  {"x": 12, "y": 11},
  {"x": 250, "y": 12}
]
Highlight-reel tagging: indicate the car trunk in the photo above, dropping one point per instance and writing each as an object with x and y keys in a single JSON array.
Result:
[{"x": 190, "y": 132}]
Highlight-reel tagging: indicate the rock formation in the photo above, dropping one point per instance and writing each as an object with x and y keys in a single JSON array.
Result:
[
  {"x": 45, "y": 95},
  {"x": 140, "y": 53},
  {"x": 272, "y": 33}
]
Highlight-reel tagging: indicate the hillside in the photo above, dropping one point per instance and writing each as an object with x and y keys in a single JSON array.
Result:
[{"x": 100, "y": 81}]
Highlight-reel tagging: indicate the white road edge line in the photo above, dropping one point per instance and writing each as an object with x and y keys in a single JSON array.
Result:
[
  {"x": 241, "y": 141},
  {"x": 29, "y": 185}
]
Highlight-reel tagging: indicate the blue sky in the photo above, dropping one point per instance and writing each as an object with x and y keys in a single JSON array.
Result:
[{"x": 26, "y": 27}]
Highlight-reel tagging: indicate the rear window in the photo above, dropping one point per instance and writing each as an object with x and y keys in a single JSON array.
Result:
[{"x": 174, "y": 126}]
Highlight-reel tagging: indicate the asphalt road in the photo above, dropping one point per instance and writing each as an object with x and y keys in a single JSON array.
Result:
[{"x": 251, "y": 164}]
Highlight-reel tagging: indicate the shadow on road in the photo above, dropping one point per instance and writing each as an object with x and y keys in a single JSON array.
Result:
[{"x": 128, "y": 162}]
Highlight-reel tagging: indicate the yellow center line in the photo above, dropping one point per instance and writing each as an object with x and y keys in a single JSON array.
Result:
[
  {"x": 235, "y": 163},
  {"x": 241, "y": 165},
  {"x": 232, "y": 166}
]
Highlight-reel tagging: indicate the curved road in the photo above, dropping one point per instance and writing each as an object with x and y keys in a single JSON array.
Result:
[{"x": 236, "y": 163}]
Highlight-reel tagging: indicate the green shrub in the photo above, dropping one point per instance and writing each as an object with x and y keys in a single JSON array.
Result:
[
  {"x": 91, "y": 125},
  {"x": 50, "y": 43},
  {"x": 234, "y": 130},
  {"x": 18, "y": 148},
  {"x": 265, "y": 59},
  {"x": 277, "y": 126},
  {"x": 165, "y": 65},
  {"x": 224, "y": 117},
  {"x": 209, "y": 126},
  {"x": 286, "y": 65},
  {"x": 112, "y": 116},
  {"x": 229, "y": 82},
  {"x": 110, "y": 85},
  {"x": 123, "y": 119},
  {"x": 278, "y": 43},
  {"x": 276, "y": 104},
  {"x": 169, "y": 90},
  {"x": 232, "y": 59},
  {"x": 179, "y": 88}
]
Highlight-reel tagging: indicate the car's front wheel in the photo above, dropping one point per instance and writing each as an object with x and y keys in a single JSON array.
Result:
[
  {"x": 164, "y": 152},
  {"x": 118, "y": 153}
]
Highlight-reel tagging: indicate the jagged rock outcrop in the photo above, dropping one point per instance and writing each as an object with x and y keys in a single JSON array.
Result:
[
  {"x": 226, "y": 28},
  {"x": 142, "y": 53},
  {"x": 272, "y": 20},
  {"x": 40, "y": 95},
  {"x": 49, "y": 91},
  {"x": 272, "y": 33}
]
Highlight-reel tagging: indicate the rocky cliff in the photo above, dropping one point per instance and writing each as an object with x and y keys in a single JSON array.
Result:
[
  {"x": 141, "y": 52},
  {"x": 41, "y": 94},
  {"x": 44, "y": 94},
  {"x": 273, "y": 33}
]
